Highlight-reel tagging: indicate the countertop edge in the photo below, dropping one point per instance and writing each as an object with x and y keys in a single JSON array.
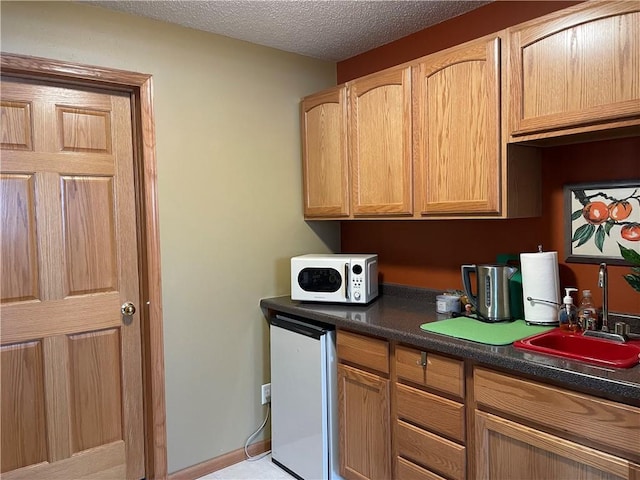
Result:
[{"x": 591, "y": 380}]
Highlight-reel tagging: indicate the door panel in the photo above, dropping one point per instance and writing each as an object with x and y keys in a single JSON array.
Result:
[
  {"x": 88, "y": 230},
  {"x": 19, "y": 234},
  {"x": 69, "y": 260},
  {"x": 15, "y": 129},
  {"x": 95, "y": 367},
  {"x": 22, "y": 406},
  {"x": 84, "y": 130}
]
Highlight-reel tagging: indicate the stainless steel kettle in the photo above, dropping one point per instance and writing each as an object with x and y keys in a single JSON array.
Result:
[{"x": 492, "y": 300}]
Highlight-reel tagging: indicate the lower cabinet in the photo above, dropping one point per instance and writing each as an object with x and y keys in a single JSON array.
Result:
[
  {"x": 530, "y": 430},
  {"x": 406, "y": 414},
  {"x": 507, "y": 449},
  {"x": 365, "y": 436},
  {"x": 363, "y": 399}
]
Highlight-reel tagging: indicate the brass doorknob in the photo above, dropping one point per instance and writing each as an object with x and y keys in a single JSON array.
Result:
[{"x": 128, "y": 309}]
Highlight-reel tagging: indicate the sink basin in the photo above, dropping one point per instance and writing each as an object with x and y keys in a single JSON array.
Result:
[{"x": 591, "y": 350}]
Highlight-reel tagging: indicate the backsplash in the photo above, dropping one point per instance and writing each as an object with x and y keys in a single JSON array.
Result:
[
  {"x": 428, "y": 296},
  {"x": 429, "y": 254}
]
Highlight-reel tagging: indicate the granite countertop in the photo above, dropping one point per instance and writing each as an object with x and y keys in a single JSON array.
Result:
[{"x": 398, "y": 313}]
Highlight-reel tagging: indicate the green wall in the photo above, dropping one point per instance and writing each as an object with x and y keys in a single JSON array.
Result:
[{"x": 230, "y": 198}]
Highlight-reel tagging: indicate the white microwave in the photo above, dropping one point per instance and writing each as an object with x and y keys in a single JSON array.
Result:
[{"x": 336, "y": 278}]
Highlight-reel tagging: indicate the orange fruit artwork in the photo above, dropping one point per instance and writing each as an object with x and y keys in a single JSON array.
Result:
[
  {"x": 631, "y": 232},
  {"x": 620, "y": 210},
  {"x": 595, "y": 212}
]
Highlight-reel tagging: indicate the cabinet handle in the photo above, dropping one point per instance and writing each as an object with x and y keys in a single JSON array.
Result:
[
  {"x": 347, "y": 284},
  {"x": 423, "y": 359}
]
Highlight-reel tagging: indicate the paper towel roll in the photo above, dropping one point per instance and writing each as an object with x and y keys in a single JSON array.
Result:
[{"x": 541, "y": 282}]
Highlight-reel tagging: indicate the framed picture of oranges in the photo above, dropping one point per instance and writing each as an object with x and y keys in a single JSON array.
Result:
[{"x": 601, "y": 220}]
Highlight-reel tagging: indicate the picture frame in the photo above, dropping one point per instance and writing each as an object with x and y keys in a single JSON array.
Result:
[{"x": 598, "y": 218}]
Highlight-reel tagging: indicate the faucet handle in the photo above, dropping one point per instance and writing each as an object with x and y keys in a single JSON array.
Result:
[
  {"x": 622, "y": 328},
  {"x": 590, "y": 323}
]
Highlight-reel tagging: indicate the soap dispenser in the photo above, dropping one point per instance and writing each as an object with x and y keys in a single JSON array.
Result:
[{"x": 568, "y": 313}]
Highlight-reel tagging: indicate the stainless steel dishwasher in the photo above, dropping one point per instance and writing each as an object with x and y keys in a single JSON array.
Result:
[{"x": 304, "y": 420}]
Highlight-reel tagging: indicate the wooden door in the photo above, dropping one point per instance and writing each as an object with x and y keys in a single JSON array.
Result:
[
  {"x": 380, "y": 143},
  {"x": 365, "y": 431},
  {"x": 576, "y": 69},
  {"x": 71, "y": 361},
  {"x": 325, "y": 167},
  {"x": 506, "y": 449},
  {"x": 458, "y": 131}
]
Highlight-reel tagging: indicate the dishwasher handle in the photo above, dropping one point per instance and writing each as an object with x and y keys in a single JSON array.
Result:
[{"x": 297, "y": 326}]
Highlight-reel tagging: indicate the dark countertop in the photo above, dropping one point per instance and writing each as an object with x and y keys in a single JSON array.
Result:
[{"x": 398, "y": 313}]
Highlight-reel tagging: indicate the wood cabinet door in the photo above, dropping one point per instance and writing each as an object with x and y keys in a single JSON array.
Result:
[
  {"x": 613, "y": 426},
  {"x": 380, "y": 143},
  {"x": 576, "y": 69},
  {"x": 457, "y": 131},
  {"x": 71, "y": 361},
  {"x": 505, "y": 449},
  {"x": 365, "y": 430},
  {"x": 325, "y": 167}
]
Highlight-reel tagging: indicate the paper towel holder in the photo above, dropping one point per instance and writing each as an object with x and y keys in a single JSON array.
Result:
[{"x": 530, "y": 299}]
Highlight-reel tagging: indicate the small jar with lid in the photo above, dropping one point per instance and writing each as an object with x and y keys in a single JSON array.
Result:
[{"x": 448, "y": 302}]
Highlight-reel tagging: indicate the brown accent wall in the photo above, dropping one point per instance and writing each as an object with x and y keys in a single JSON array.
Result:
[
  {"x": 476, "y": 23},
  {"x": 429, "y": 253}
]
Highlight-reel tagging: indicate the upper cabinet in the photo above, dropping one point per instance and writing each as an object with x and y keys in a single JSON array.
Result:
[
  {"x": 380, "y": 143},
  {"x": 423, "y": 140},
  {"x": 457, "y": 130},
  {"x": 455, "y": 134},
  {"x": 575, "y": 71},
  {"x": 325, "y": 166}
]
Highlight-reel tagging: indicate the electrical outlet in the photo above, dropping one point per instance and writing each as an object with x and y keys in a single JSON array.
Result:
[{"x": 266, "y": 393}]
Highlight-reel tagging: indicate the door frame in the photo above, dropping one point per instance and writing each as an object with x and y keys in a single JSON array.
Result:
[{"x": 140, "y": 88}]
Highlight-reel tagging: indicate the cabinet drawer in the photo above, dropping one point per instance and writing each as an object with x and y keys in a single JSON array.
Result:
[
  {"x": 406, "y": 470},
  {"x": 435, "y": 453},
  {"x": 434, "y": 413},
  {"x": 440, "y": 373},
  {"x": 365, "y": 351},
  {"x": 602, "y": 422}
]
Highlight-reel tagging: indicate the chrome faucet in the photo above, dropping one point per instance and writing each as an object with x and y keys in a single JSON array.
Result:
[
  {"x": 621, "y": 331},
  {"x": 604, "y": 285}
]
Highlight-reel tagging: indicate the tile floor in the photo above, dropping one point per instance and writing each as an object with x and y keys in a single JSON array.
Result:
[{"x": 260, "y": 469}]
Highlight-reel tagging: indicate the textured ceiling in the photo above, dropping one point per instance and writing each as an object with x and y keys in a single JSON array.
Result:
[{"x": 325, "y": 29}]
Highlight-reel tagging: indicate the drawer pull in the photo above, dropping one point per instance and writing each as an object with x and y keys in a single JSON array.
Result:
[{"x": 423, "y": 359}]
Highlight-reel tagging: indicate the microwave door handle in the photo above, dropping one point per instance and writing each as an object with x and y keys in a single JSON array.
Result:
[{"x": 346, "y": 281}]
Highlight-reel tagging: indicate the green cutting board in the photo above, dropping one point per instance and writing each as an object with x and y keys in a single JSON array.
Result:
[{"x": 482, "y": 332}]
